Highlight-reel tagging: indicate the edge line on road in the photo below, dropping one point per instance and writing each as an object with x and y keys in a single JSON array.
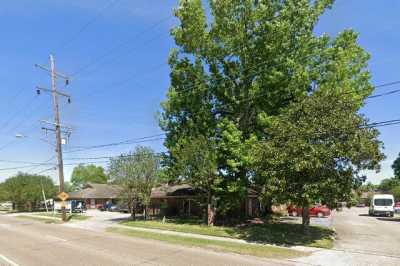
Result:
[{"x": 7, "y": 260}]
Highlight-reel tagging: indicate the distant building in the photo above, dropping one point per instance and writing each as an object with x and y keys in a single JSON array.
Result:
[
  {"x": 94, "y": 195},
  {"x": 169, "y": 200}
]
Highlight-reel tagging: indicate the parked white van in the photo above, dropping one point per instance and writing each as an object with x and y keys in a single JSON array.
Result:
[{"x": 382, "y": 204}]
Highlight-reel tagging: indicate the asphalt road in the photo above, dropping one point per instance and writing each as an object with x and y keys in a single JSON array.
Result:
[
  {"x": 361, "y": 240},
  {"x": 33, "y": 243}
]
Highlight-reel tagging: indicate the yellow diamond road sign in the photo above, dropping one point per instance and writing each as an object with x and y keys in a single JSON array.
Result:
[{"x": 63, "y": 196}]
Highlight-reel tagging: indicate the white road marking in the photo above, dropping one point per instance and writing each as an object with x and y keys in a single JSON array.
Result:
[
  {"x": 8, "y": 261},
  {"x": 56, "y": 238}
]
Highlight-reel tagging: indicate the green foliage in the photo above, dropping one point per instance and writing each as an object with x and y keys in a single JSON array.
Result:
[
  {"x": 388, "y": 184},
  {"x": 316, "y": 150},
  {"x": 68, "y": 187},
  {"x": 137, "y": 174},
  {"x": 242, "y": 75},
  {"x": 396, "y": 167},
  {"x": 3, "y": 195},
  {"x": 396, "y": 192},
  {"x": 83, "y": 174},
  {"x": 25, "y": 190}
]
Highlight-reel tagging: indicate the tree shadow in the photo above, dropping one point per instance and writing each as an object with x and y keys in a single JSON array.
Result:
[
  {"x": 390, "y": 219},
  {"x": 284, "y": 234}
]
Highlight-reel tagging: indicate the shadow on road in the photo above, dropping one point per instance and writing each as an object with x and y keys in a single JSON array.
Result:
[
  {"x": 389, "y": 219},
  {"x": 364, "y": 214}
]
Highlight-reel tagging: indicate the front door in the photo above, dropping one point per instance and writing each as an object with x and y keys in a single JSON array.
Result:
[{"x": 92, "y": 203}]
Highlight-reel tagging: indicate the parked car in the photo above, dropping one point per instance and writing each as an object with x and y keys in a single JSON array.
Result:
[
  {"x": 397, "y": 207},
  {"x": 317, "y": 210},
  {"x": 361, "y": 205},
  {"x": 382, "y": 204},
  {"x": 123, "y": 208}
]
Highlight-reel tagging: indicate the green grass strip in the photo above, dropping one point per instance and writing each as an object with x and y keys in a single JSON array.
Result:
[{"x": 264, "y": 251}]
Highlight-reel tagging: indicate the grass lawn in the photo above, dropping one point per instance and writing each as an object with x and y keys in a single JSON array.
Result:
[
  {"x": 40, "y": 219},
  {"x": 246, "y": 249},
  {"x": 74, "y": 216},
  {"x": 285, "y": 234},
  {"x": 53, "y": 218}
]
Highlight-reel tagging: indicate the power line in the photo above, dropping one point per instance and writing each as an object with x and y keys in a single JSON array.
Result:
[
  {"x": 123, "y": 82},
  {"x": 115, "y": 144},
  {"x": 116, "y": 58},
  {"x": 8, "y": 144},
  {"x": 117, "y": 47},
  {"x": 384, "y": 94},
  {"x": 19, "y": 111},
  {"x": 37, "y": 164},
  {"x": 45, "y": 170},
  {"x": 88, "y": 23}
]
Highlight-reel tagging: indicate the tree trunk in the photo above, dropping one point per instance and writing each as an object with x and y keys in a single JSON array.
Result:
[
  {"x": 132, "y": 210},
  {"x": 268, "y": 206},
  {"x": 306, "y": 215},
  {"x": 210, "y": 214},
  {"x": 145, "y": 212},
  {"x": 210, "y": 211}
]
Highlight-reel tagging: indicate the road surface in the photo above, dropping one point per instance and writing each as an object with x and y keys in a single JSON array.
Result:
[
  {"x": 361, "y": 240},
  {"x": 33, "y": 243}
]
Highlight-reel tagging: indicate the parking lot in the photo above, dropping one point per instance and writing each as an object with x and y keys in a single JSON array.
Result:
[{"x": 361, "y": 240}]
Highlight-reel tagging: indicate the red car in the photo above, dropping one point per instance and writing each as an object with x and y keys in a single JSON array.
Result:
[
  {"x": 319, "y": 211},
  {"x": 397, "y": 207}
]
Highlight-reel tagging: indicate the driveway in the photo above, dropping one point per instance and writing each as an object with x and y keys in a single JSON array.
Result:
[
  {"x": 361, "y": 240},
  {"x": 99, "y": 220}
]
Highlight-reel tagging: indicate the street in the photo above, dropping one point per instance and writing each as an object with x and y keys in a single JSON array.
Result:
[
  {"x": 34, "y": 243},
  {"x": 361, "y": 240}
]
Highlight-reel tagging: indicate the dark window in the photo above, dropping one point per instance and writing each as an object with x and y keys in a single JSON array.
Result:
[{"x": 383, "y": 202}]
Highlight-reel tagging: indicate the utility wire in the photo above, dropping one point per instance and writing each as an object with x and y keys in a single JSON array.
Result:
[
  {"x": 19, "y": 111},
  {"x": 117, "y": 47},
  {"x": 371, "y": 125},
  {"x": 114, "y": 144},
  {"x": 117, "y": 59},
  {"x": 98, "y": 14}
]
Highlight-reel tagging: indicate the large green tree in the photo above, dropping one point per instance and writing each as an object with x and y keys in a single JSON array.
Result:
[
  {"x": 197, "y": 165},
  {"x": 137, "y": 174},
  {"x": 83, "y": 174},
  {"x": 316, "y": 151},
  {"x": 25, "y": 190},
  {"x": 240, "y": 66},
  {"x": 396, "y": 167}
]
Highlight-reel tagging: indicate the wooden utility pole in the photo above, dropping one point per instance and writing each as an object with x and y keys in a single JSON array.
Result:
[
  {"x": 57, "y": 124},
  {"x": 58, "y": 132}
]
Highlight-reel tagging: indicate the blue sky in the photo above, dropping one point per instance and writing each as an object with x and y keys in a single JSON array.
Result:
[{"x": 121, "y": 74}]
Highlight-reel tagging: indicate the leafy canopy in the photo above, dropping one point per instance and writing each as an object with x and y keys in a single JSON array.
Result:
[
  {"x": 316, "y": 150},
  {"x": 236, "y": 74},
  {"x": 83, "y": 174},
  {"x": 396, "y": 167},
  {"x": 136, "y": 173},
  {"x": 25, "y": 190}
]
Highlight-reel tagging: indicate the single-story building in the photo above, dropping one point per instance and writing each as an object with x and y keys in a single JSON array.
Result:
[
  {"x": 183, "y": 200},
  {"x": 94, "y": 195},
  {"x": 170, "y": 200}
]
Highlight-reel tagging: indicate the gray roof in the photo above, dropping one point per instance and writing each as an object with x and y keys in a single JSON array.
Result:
[
  {"x": 96, "y": 191},
  {"x": 172, "y": 191}
]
